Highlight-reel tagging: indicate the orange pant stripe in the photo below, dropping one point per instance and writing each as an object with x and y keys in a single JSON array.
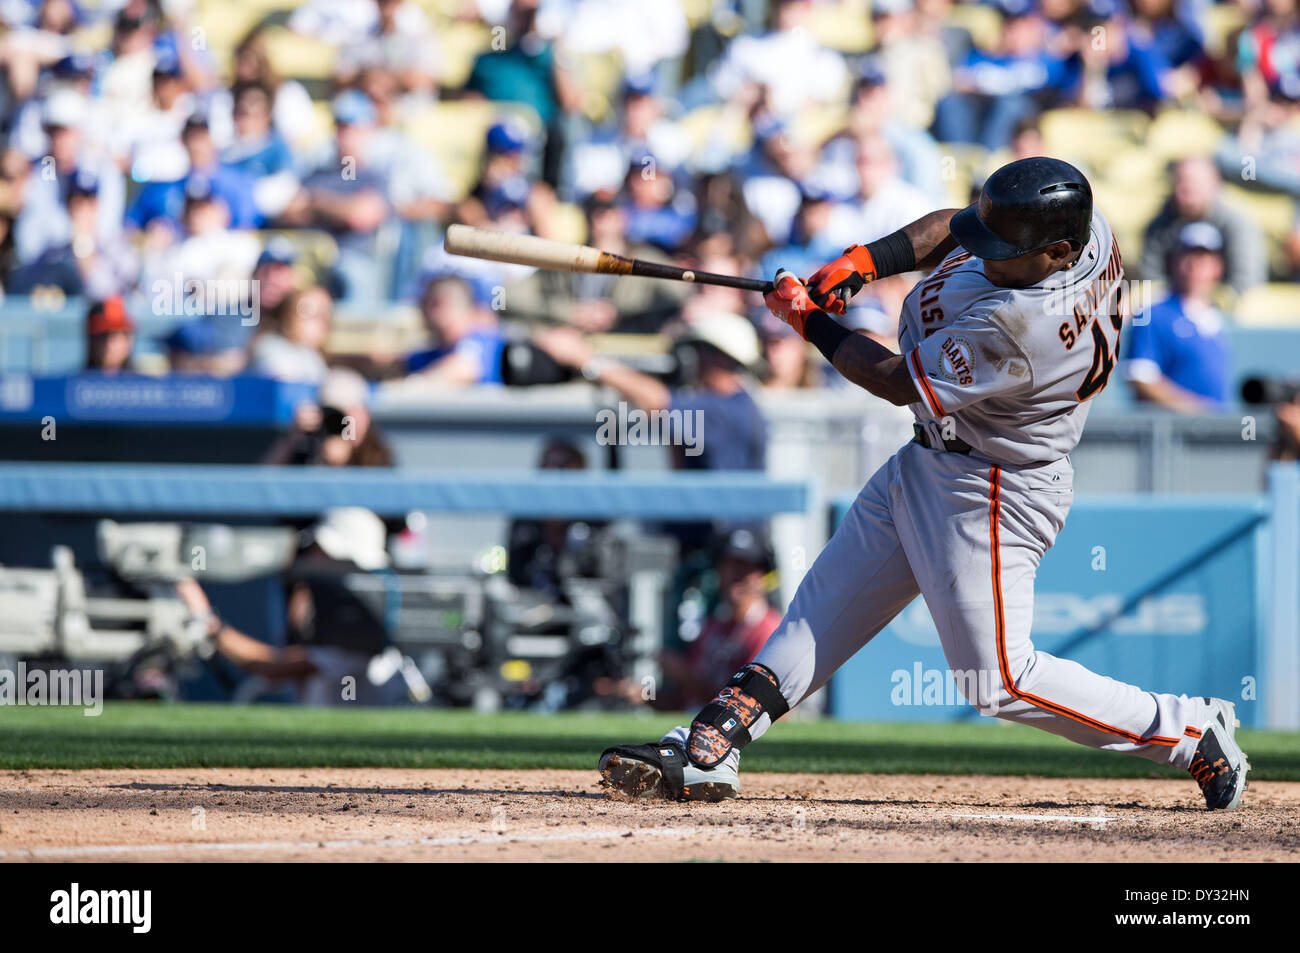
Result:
[{"x": 1004, "y": 665}]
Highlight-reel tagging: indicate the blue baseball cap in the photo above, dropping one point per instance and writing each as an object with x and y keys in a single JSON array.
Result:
[
  {"x": 84, "y": 182},
  {"x": 507, "y": 137},
  {"x": 769, "y": 127},
  {"x": 278, "y": 251},
  {"x": 1200, "y": 236},
  {"x": 74, "y": 66},
  {"x": 639, "y": 83},
  {"x": 353, "y": 108},
  {"x": 871, "y": 73},
  {"x": 194, "y": 337},
  {"x": 1015, "y": 8},
  {"x": 167, "y": 62}
]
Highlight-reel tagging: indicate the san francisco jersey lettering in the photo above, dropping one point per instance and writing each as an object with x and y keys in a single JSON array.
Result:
[{"x": 1014, "y": 368}]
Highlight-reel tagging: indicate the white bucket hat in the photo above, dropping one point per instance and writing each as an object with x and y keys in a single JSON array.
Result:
[
  {"x": 352, "y": 533},
  {"x": 731, "y": 334}
]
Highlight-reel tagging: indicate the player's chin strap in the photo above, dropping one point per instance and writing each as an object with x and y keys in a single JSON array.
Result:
[{"x": 724, "y": 723}]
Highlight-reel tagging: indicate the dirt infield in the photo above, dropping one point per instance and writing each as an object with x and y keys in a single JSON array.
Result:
[{"x": 449, "y": 815}]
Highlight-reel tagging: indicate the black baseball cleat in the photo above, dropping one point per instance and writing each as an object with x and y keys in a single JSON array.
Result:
[
  {"x": 662, "y": 771},
  {"x": 1219, "y": 765}
]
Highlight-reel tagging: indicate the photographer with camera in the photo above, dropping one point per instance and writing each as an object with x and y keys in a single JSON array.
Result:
[
  {"x": 1284, "y": 397},
  {"x": 334, "y": 640},
  {"x": 337, "y": 430}
]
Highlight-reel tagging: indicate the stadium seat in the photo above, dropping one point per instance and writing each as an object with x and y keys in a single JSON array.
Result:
[
  {"x": 1273, "y": 305},
  {"x": 459, "y": 44},
  {"x": 1273, "y": 212},
  {"x": 297, "y": 56},
  {"x": 392, "y": 331},
  {"x": 1221, "y": 21},
  {"x": 316, "y": 249},
  {"x": 1090, "y": 136},
  {"x": 1135, "y": 168},
  {"x": 568, "y": 223},
  {"x": 703, "y": 123},
  {"x": 600, "y": 75},
  {"x": 1128, "y": 209},
  {"x": 224, "y": 24},
  {"x": 455, "y": 132},
  {"x": 964, "y": 163},
  {"x": 1178, "y": 133},
  {"x": 815, "y": 124},
  {"x": 844, "y": 25},
  {"x": 697, "y": 12},
  {"x": 984, "y": 23}
]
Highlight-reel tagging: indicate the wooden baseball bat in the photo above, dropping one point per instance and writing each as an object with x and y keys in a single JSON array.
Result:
[{"x": 551, "y": 255}]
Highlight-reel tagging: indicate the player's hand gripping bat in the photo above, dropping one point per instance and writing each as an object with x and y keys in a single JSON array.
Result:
[{"x": 562, "y": 256}]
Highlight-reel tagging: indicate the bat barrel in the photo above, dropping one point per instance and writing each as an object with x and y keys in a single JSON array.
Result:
[
  {"x": 520, "y": 249},
  {"x": 564, "y": 256}
]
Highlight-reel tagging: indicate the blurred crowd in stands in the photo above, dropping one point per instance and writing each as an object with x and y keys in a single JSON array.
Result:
[{"x": 154, "y": 147}]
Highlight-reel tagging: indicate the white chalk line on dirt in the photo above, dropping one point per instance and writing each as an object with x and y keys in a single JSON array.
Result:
[
  {"x": 1068, "y": 818},
  {"x": 463, "y": 841}
]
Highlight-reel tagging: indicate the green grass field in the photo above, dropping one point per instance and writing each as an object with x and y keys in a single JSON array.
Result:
[{"x": 146, "y": 735}]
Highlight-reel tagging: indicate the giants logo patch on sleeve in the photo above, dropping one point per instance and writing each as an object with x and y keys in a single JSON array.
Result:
[{"x": 957, "y": 361}]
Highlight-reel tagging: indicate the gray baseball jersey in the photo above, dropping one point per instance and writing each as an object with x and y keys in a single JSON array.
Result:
[{"x": 1014, "y": 368}]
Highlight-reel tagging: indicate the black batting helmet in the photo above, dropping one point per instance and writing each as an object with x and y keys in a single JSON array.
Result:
[{"x": 1024, "y": 206}]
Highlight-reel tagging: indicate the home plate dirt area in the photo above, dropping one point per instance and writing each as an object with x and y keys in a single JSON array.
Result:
[{"x": 368, "y": 814}]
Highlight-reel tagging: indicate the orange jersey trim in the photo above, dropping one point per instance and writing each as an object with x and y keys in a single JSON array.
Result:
[
  {"x": 925, "y": 385},
  {"x": 995, "y": 505}
]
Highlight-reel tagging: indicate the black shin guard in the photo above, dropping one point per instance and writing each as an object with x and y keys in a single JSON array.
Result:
[{"x": 724, "y": 723}]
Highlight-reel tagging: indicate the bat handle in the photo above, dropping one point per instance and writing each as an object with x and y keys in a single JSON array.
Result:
[{"x": 654, "y": 269}]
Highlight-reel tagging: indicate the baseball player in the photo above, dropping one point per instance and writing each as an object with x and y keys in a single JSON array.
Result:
[{"x": 1002, "y": 347}]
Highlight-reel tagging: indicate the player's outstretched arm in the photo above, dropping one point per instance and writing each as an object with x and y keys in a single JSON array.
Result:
[
  {"x": 863, "y": 361},
  {"x": 872, "y": 366}
]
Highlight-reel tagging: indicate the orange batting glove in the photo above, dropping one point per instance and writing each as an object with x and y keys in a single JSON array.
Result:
[
  {"x": 835, "y": 283},
  {"x": 789, "y": 300}
]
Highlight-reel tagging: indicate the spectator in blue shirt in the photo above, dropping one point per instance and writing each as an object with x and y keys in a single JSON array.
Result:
[
  {"x": 164, "y": 202},
  {"x": 994, "y": 90},
  {"x": 1129, "y": 71},
  {"x": 347, "y": 196},
  {"x": 1178, "y": 352},
  {"x": 656, "y": 212},
  {"x": 259, "y": 152},
  {"x": 466, "y": 342}
]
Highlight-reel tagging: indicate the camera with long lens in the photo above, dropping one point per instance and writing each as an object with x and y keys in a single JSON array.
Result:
[
  {"x": 1269, "y": 390},
  {"x": 523, "y": 364}
]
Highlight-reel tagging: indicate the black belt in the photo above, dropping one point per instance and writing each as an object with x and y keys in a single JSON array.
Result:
[{"x": 955, "y": 445}]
